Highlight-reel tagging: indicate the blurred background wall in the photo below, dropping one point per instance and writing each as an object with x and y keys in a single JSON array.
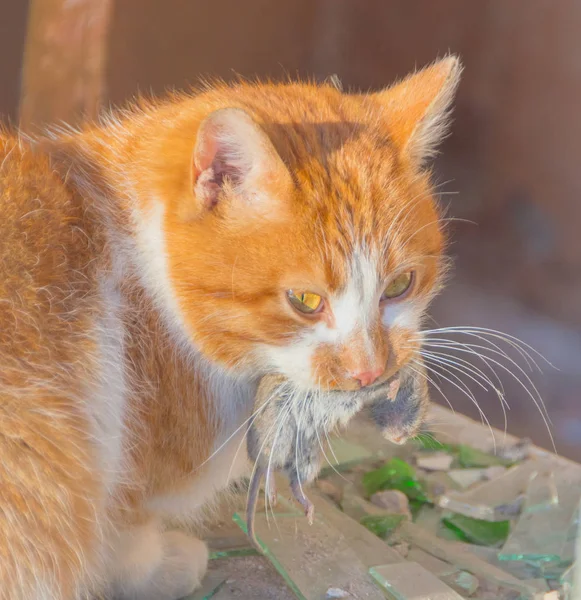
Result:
[{"x": 511, "y": 165}]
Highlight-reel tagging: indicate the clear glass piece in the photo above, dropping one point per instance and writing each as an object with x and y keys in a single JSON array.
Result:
[
  {"x": 335, "y": 552},
  {"x": 544, "y": 530},
  {"x": 495, "y": 500},
  {"x": 410, "y": 581}
]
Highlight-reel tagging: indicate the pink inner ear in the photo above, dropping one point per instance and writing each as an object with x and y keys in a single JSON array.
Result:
[{"x": 214, "y": 161}]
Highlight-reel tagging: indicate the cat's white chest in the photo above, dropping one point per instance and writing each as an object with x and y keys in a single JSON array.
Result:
[{"x": 105, "y": 399}]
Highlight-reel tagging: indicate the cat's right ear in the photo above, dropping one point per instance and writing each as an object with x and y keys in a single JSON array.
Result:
[{"x": 235, "y": 163}]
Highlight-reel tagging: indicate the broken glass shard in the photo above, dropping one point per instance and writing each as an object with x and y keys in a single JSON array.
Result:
[
  {"x": 494, "y": 500},
  {"x": 542, "y": 534},
  {"x": 477, "y": 531},
  {"x": 335, "y": 552},
  {"x": 461, "y": 581},
  {"x": 410, "y": 581},
  {"x": 467, "y": 477},
  {"x": 472, "y": 458},
  {"x": 396, "y": 474},
  {"x": 382, "y": 525}
]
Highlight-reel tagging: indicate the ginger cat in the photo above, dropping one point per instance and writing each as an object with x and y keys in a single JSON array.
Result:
[{"x": 153, "y": 267}]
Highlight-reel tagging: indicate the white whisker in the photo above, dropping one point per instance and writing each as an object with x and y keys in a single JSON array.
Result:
[{"x": 466, "y": 391}]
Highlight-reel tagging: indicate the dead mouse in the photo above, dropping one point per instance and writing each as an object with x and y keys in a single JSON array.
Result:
[
  {"x": 286, "y": 435},
  {"x": 287, "y": 432},
  {"x": 402, "y": 417}
]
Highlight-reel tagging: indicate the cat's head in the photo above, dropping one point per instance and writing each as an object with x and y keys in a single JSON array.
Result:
[{"x": 301, "y": 232}]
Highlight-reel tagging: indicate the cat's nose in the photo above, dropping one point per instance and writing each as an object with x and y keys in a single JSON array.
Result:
[{"x": 368, "y": 377}]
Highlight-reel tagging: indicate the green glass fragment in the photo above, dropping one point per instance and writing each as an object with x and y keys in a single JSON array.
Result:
[
  {"x": 396, "y": 474},
  {"x": 382, "y": 526},
  {"x": 232, "y": 553},
  {"x": 415, "y": 506},
  {"x": 477, "y": 531},
  {"x": 451, "y": 533},
  {"x": 470, "y": 458}
]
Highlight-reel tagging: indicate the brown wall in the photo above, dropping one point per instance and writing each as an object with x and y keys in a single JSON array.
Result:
[{"x": 13, "y": 15}]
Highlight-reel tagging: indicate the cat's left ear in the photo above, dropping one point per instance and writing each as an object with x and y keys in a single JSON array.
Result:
[
  {"x": 235, "y": 164},
  {"x": 418, "y": 108}
]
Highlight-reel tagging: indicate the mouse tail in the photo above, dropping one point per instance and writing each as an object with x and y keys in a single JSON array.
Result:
[{"x": 253, "y": 491}]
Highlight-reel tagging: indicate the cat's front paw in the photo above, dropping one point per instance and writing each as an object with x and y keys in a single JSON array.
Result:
[
  {"x": 185, "y": 561},
  {"x": 183, "y": 564}
]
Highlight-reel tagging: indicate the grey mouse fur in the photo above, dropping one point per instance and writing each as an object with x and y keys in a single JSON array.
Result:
[
  {"x": 401, "y": 417},
  {"x": 286, "y": 435},
  {"x": 288, "y": 428}
]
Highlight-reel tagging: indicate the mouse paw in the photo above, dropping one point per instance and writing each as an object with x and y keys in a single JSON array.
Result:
[
  {"x": 303, "y": 501},
  {"x": 310, "y": 512}
]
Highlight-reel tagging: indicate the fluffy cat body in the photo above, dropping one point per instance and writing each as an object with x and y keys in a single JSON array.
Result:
[{"x": 143, "y": 269}]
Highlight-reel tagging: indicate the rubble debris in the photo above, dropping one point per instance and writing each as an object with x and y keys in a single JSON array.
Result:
[
  {"x": 330, "y": 489},
  {"x": 494, "y": 472},
  {"x": 468, "y": 477},
  {"x": 517, "y": 452},
  {"x": 447, "y": 508},
  {"x": 542, "y": 533},
  {"x": 481, "y": 501},
  {"x": 455, "y": 554},
  {"x": 402, "y": 548},
  {"x": 471, "y": 457},
  {"x": 461, "y": 581},
  {"x": 354, "y": 505},
  {"x": 337, "y": 593},
  {"x": 382, "y": 525},
  {"x": 434, "y": 461},
  {"x": 396, "y": 474},
  {"x": 465, "y": 582},
  {"x": 393, "y": 501}
]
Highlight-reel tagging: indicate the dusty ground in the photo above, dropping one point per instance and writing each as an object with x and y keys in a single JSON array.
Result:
[{"x": 248, "y": 577}]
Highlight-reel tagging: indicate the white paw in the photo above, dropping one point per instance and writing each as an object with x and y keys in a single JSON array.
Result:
[
  {"x": 177, "y": 572},
  {"x": 185, "y": 561}
]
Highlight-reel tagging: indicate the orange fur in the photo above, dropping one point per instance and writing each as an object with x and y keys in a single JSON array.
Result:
[{"x": 143, "y": 269}]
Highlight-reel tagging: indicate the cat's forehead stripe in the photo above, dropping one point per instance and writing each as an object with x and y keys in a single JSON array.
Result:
[{"x": 355, "y": 303}]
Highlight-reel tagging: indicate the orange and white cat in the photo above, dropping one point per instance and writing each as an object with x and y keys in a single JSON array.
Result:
[{"x": 154, "y": 267}]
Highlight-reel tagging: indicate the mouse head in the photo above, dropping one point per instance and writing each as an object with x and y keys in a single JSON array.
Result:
[{"x": 401, "y": 417}]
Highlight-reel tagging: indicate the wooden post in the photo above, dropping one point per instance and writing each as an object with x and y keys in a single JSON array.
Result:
[{"x": 65, "y": 57}]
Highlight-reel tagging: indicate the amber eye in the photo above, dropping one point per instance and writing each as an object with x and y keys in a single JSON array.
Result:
[
  {"x": 305, "y": 302},
  {"x": 398, "y": 287}
]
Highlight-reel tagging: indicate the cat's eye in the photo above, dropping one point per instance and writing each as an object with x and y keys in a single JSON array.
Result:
[
  {"x": 398, "y": 286},
  {"x": 307, "y": 303}
]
